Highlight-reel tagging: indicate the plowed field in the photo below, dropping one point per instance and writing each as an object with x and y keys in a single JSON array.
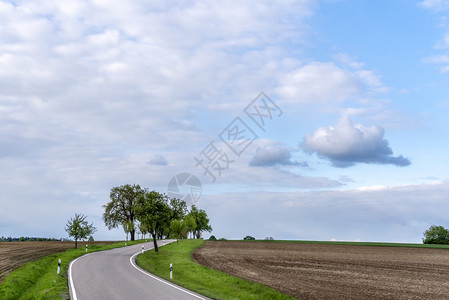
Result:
[
  {"x": 317, "y": 271},
  {"x": 16, "y": 254}
]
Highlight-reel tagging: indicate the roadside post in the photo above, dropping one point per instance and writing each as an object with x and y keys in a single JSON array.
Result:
[
  {"x": 171, "y": 271},
  {"x": 86, "y": 247},
  {"x": 59, "y": 266},
  {"x": 143, "y": 247}
]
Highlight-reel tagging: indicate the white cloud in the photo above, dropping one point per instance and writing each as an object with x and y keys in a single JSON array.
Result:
[
  {"x": 89, "y": 89},
  {"x": 439, "y": 60},
  {"x": 274, "y": 153},
  {"x": 443, "y": 44},
  {"x": 435, "y": 4},
  {"x": 158, "y": 160},
  {"x": 349, "y": 61},
  {"x": 436, "y": 59},
  {"x": 396, "y": 214},
  {"x": 347, "y": 144},
  {"x": 325, "y": 82},
  {"x": 320, "y": 82}
]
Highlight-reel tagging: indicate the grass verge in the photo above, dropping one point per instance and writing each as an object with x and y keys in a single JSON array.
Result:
[
  {"x": 201, "y": 279},
  {"x": 379, "y": 244},
  {"x": 38, "y": 279}
]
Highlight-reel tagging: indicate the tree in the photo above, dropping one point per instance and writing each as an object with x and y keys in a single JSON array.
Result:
[
  {"x": 179, "y": 209},
  {"x": 189, "y": 225},
  {"x": 436, "y": 235},
  {"x": 153, "y": 211},
  {"x": 201, "y": 220},
  {"x": 212, "y": 238},
  {"x": 178, "y": 212},
  {"x": 128, "y": 226},
  {"x": 176, "y": 228},
  {"x": 121, "y": 209},
  {"x": 79, "y": 229},
  {"x": 248, "y": 238},
  {"x": 143, "y": 229}
]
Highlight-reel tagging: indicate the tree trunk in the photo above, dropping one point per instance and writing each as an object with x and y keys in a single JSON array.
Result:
[
  {"x": 154, "y": 242},
  {"x": 76, "y": 243},
  {"x": 132, "y": 234}
]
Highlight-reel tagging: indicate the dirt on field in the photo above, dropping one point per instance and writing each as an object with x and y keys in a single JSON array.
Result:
[
  {"x": 15, "y": 254},
  {"x": 317, "y": 271}
]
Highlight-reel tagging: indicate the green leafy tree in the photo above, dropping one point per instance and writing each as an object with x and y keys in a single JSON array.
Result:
[
  {"x": 176, "y": 228},
  {"x": 143, "y": 229},
  {"x": 201, "y": 220},
  {"x": 248, "y": 238},
  {"x": 178, "y": 212},
  {"x": 79, "y": 228},
  {"x": 189, "y": 225},
  {"x": 436, "y": 235},
  {"x": 121, "y": 209},
  {"x": 212, "y": 238},
  {"x": 179, "y": 209},
  {"x": 153, "y": 211},
  {"x": 128, "y": 226}
]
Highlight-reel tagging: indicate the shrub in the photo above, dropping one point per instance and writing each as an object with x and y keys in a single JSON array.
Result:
[{"x": 248, "y": 238}]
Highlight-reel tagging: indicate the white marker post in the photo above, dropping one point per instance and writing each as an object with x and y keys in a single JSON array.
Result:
[
  {"x": 59, "y": 266},
  {"x": 171, "y": 271},
  {"x": 86, "y": 247},
  {"x": 143, "y": 247}
]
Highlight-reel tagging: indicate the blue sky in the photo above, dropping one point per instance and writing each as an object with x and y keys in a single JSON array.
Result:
[{"x": 96, "y": 94}]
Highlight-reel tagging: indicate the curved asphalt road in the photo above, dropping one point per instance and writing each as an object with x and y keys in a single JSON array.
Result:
[{"x": 113, "y": 274}]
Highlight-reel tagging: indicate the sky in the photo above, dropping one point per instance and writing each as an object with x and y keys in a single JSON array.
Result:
[{"x": 307, "y": 119}]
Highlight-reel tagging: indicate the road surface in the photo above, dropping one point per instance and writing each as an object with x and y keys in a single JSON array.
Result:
[{"x": 113, "y": 274}]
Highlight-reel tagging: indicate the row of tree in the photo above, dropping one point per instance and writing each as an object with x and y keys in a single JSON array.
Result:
[{"x": 135, "y": 208}]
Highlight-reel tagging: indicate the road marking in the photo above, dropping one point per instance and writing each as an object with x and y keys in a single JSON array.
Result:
[
  {"x": 72, "y": 286},
  {"x": 157, "y": 278}
]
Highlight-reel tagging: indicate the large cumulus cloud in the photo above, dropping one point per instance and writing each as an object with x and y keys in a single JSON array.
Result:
[{"x": 347, "y": 144}]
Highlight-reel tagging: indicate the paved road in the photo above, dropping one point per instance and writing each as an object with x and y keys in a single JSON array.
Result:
[{"x": 113, "y": 274}]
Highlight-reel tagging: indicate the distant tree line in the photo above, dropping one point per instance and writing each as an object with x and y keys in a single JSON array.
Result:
[
  {"x": 30, "y": 239},
  {"x": 213, "y": 238},
  {"x": 146, "y": 211}
]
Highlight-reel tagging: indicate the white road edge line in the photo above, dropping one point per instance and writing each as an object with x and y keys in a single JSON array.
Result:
[
  {"x": 72, "y": 290},
  {"x": 72, "y": 286},
  {"x": 157, "y": 278}
]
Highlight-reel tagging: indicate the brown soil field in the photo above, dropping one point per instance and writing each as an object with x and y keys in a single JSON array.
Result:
[
  {"x": 317, "y": 271},
  {"x": 15, "y": 254}
]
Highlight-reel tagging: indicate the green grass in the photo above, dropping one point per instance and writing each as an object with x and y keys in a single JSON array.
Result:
[
  {"x": 379, "y": 244},
  {"x": 201, "y": 279},
  {"x": 38, "y": 279}
]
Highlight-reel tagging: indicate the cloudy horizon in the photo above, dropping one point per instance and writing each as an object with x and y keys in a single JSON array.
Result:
[{"x": 348, "y": 140}]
